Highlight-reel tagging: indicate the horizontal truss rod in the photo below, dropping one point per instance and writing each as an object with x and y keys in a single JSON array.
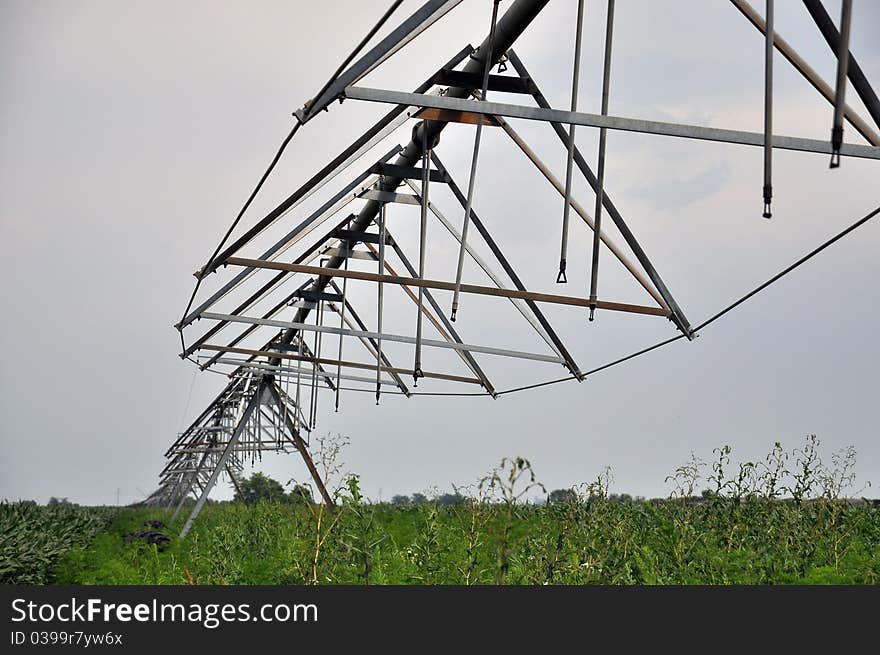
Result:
[
  {"x": 610, "y": 122},
  {"x": 246, "y": 448},
  {"x": 449, "y": 286},
  {"x": 287, "y": 371},
  {"x": 408, "y": 172},
  {"x": 389, "y": 196},
  {"x": 386, "y": 337},
  {"x": 447, "y": 116},
  {"x": 448, "y": 335},
  {"x": 334, "y": 362},
  {"x": 349, "y": 254}
]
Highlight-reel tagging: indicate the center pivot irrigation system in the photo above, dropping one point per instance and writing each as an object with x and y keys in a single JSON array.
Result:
[{"x": 292, "y": 308}]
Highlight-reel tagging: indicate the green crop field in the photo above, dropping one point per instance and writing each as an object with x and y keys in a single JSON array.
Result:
[
  {"x": 750, "y": 523},
  {"x": 33, "y": 538}
]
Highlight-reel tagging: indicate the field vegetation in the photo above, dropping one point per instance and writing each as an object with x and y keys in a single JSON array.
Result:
[
  {"x": 34, "y": 537},
  {"x": 784, "y": 519}
]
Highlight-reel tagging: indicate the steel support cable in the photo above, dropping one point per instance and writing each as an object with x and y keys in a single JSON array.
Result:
[
  {"x": 192, "y": 384},
  {"x": 278, "y": 154},
  {"x": 840, "y": 90},
  {"x": 769, "y": 35},
  {"x": 354, "y": 53},
  {"x": 487, "y": 66},
  {"x": 232, "y": 227},
  {"x": 569, "y": 165},
  {"x": 788, "y": 270},
  {"x": 716, "y": 316},
  {"x": 600, "y": 170}
]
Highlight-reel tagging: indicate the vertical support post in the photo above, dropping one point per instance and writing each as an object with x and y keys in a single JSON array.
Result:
[
  {"x": 299, "y": 345},
  {"x": 230, "y": 445},
  {"x": 569, "y": 164},
  {"x": 487, "y": 57},
  {"x": 341, "y": 339},
  {"x": 600, "y": 190},
  {"x": 258, "y": 425},
  {"x": 313, "y": 389},
  {"x": 840, "y": 90},
  {"x": 316, "y": 356},
  {"x": 770, "y": 35},
  {"x": 381, "y": 299},
  {"x": 423, "y": 230},
  {"x": 280, "y": 428}
]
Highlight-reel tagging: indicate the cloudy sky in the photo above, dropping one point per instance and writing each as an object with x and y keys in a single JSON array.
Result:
[{"x": 132, "y": 132}]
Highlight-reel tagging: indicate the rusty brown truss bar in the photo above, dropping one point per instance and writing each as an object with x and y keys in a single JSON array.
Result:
[
  {"x": 448, "y": 286},
  {"x": 370, "y": 367},
  {"x": 452, "y": 116}
]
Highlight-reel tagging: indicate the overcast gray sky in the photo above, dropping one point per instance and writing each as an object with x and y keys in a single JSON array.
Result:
[{"x": 132, "y": 132}]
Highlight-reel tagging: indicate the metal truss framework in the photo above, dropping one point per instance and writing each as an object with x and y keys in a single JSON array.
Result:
[{"x": 284, "y": 344}]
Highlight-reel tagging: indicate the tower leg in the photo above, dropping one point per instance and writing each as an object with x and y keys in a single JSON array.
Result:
[{"x": 242, "y": 423}]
